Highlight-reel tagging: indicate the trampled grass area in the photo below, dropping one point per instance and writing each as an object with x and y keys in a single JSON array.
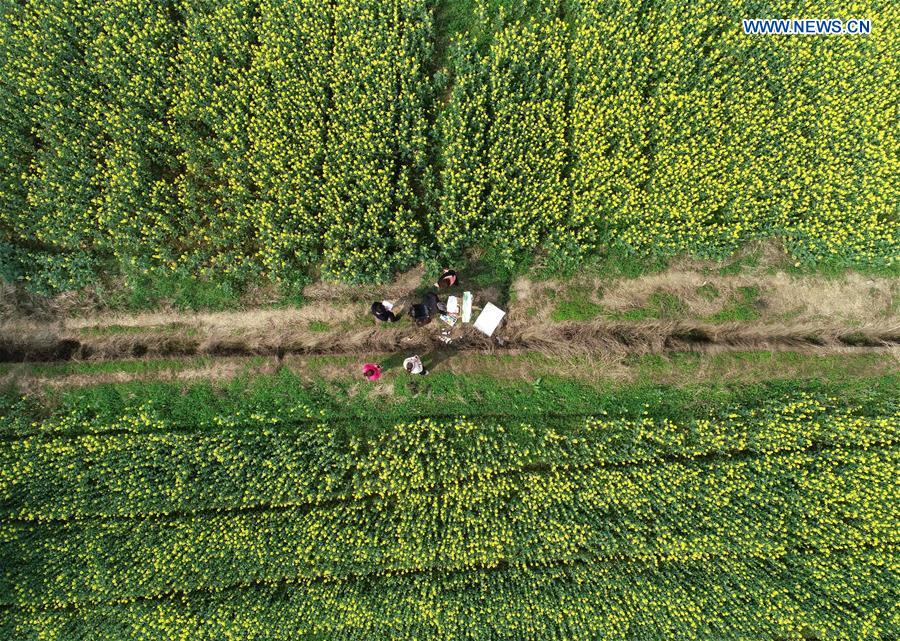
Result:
[{"x": 453, "y": 377}]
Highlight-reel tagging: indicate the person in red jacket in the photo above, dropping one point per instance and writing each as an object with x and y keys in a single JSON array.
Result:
[{"x": 372, "y": 371}]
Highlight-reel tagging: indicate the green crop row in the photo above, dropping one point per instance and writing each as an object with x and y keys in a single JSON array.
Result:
[
  {"x": 377, "y": 164},
  {"x": 287, "y": 130},
  {"x": 758, "y": 507},
  {"x": 285, "y": 464},
  {"x": 846, "y": 595}
]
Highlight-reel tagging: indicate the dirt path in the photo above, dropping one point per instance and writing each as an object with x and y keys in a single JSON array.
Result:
[
  {"x": 689, "y": 307},
  {"x": 280, "y": 334}
]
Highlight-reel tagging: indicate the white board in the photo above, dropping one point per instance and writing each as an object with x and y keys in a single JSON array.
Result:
[
  {"x": 489, "y": 318},
  {"x": 452, "y": 305},
  {"x": 467, "y": 307}
]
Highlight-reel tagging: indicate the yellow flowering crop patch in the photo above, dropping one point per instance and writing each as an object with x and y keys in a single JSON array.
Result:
[
  {"x": 376, "y": 139},
  {"x": 239, "y": 140},
  {"x": 284, "y": 524}
]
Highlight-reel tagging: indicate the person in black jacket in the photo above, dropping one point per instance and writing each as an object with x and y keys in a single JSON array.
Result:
[
  {"x": 383, "y": 314},
  {"x": 420, "y": 314},
  {"x": 423, "y": 312}
]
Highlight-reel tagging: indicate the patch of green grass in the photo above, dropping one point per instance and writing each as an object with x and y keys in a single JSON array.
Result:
[
  {"x": 487, "y": 272},
  {"x": 655, "y": 366},
  {"x": 837, "y": 369},
  {"x": 837, "y": 269},
  {"x": 666, "y": 304},
  {"x": 639, "y": 314},
  {"x": 319, "y": 326},
  {"x": 740, "y": 264},
  {"x": 184, "y": 291},
  {"x": 612, "y": 264},
  {"x": 742, "y": 307},
  {"x": 688, "y": 368},
  {"x": 443, "y": 395},
  {"x": 618, "y": 263},
  {"x": 660, "y": 305},
  {"x": 579, "y": 309}
]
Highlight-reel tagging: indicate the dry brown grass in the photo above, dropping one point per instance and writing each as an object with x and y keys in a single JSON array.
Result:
[
  {"x": 794, "y": 312},
  {"x": 222, "y": 370},
  {"x": 558, "y": 339},
  {"x": 17, "y": 303},
  {"x": 852, "y": 299}
]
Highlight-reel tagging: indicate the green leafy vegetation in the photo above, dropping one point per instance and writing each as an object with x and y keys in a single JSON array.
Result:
[
  {"x": 576, "y": 310},
  {"x": 576, "y": 306},
  {"x": 554, "y": 489},
  {"x": 190, "y": 149},
  {"x": 661, "y": 305}
]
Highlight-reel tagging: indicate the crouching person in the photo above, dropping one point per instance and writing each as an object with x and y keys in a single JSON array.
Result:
[
  {"x": 382, "y": 313},
  {"x": 413, "y": 365},
  {"x": 423, "y": 312},
  {"x": 372, "y": 371}
]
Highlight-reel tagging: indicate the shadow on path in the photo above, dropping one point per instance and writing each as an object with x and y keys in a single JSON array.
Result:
[{"x": 438, "y": 355}]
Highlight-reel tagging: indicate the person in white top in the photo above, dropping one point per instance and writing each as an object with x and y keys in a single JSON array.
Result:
[{"x": 413, "y": 365}]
